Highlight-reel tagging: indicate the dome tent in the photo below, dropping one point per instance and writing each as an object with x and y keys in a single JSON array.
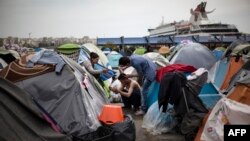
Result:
[
  {"x": 106, "y": 51},
  {"x": 103, "y": 63},
  {"x": 70, "y": 50},
  {"x": 194, "y": 54},
  {"x": 157, "y": 58},
  {"x": 21, "y": 119},
  {"x": 139, "y": 51},
  {"x": 72, "y": 98},
  {"x": 113, "y": 58}
]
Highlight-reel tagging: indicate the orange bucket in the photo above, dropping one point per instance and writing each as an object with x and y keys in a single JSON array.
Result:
[{"x": 111, "y": 114}]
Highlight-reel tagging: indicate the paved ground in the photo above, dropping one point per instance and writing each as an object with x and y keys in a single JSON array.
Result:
[{"x": 143, "y": 135}]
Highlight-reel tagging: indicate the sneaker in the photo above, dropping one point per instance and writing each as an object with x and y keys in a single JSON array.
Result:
[{"x": 139, "y": 113}]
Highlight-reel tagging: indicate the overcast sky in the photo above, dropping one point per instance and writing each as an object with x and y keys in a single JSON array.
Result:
[{"x": 108, "y": 18}]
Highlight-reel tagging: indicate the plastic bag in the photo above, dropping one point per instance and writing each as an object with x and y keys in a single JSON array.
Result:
[
  {"x": 124, "y": 131},
  {"x": 115, "y": 97},
  {"x": 156, "y": 122},
  {"x": 101, "y": 134}
]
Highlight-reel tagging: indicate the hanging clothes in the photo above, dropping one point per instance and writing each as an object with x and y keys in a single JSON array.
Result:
[
  {"x": 170, "y": 89},
  {"x": 171, "y": 68}
]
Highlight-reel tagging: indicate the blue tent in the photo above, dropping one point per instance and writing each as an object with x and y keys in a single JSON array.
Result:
[
  {"x": 153, "y": 93},
  {"x": 220, "y": 72},
  {"x": 113, "y": 58},
  {"x": 218, "y": 54},
  {"x": 106, "y": 51}
]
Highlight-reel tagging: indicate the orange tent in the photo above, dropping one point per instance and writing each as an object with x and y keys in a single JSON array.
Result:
[{"x": 233, "y": 68}]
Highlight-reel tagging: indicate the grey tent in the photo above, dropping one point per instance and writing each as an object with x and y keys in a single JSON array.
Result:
[
  {"x": 194, "y": 54},
  {"x": 242, "y": 76},
  {"x": 157, "y": 58},
  {"x": 20, "y": 119},
  {"x": 232, "y": 48},
  {"x": 73, "y": 98}
]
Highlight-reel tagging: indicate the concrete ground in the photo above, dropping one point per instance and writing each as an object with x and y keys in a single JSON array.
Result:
[{"x": 143, "y": 135}]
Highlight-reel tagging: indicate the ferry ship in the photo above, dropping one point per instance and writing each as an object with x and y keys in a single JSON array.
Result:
[{"x": 198, "y": 24}]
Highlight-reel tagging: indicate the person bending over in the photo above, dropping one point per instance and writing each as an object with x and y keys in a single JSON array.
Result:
[{"x": 146, "y": 69}]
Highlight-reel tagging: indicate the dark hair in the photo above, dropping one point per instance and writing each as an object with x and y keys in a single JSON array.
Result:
[
  {"x": 93, "y": 55},
  {"x": 124, "y": 61},
  {"x": 122, "y": 76}
]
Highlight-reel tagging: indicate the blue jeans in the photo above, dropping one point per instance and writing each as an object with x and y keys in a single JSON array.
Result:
[{"x": 145, "y": 88}]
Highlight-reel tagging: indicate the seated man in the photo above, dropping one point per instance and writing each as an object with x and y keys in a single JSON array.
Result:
[{"x": 130, "y": 91}]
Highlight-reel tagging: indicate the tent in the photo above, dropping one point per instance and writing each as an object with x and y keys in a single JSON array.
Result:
[
  {"x": 238, "y": 96},
  {"x": 218, "y": 52},
  {"x": 106, "y": 51},
  {"x": 194, "y": 54},
  {"x": 113, "y": 58},
  {"x": 233, "y": 109},
  {"x": 240, "y": 92},
  {"x": 224, "y": 70},
  {"x": 139, "y": 51},
  {"x": 232, "y": 46},
  {"x": 220, "y": 69},
  {"x": 226, "y": 111},
  {"x": 81, "y": 53},
  {"x": 157, "y": 58},
  {"x": 21, "y": 119},
  {"x": 103, "y": 62},
  {"x": 235, "y": 55},
  {"x": 233, "y": 67},
  {"x": 70, "y": 50},
  {"x": 88, "y": 47},
  {"x": 73, "y": 98}
]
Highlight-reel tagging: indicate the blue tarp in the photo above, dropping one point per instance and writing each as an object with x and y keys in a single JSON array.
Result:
[
  {"x": 153, "y": 93},
  {"x": 210, "y": 99},
  {"x": 208, "y": 88},
  {"x": 104, "y": 76},
  {"x": 209, "y": 95},
  {"x": 221, "y": 72}
]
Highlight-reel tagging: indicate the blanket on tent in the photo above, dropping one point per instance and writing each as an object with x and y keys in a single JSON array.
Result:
[
  {"x": 73, "y": 107},
  {"x": 17, "y": 71}
]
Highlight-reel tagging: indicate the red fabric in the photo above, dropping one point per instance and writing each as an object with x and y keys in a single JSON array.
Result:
[{"x": 171, "y": 68}]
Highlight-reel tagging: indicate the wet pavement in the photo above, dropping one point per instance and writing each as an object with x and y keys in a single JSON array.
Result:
[{"x": 143, "y": 135}]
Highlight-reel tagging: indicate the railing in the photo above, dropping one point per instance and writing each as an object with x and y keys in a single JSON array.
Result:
[{"x": 172, "y": 39}]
